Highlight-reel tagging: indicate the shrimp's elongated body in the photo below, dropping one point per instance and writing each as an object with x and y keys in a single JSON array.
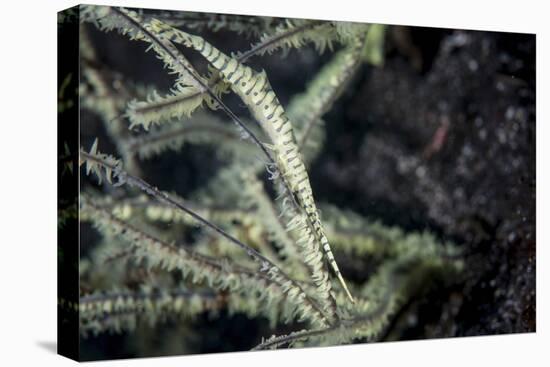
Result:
[{"x": 255, "y": 90}]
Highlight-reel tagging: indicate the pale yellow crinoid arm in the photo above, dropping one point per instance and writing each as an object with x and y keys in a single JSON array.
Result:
[{"x": 255, "y": 90}]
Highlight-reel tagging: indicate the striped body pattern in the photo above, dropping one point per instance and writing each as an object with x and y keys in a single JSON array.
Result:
[
  {"x": 255, "y": 90},
  {"x": 248, "y": 237}
]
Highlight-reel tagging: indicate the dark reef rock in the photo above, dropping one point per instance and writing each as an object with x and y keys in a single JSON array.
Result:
[{"x": 452, "y": 145}]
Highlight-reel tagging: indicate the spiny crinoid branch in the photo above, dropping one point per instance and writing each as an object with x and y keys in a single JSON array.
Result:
[
  {"x": 262, "y": 46},
  {"x": 155, "y": 211},
  {"x": 202, "y": 129},
  {"x": 277, "y": 341},
  {"x": 344, "y": 332},
  {"x": 265, "y": 107},
  {"x": 121, "y": 309},
  {"x": 168, "y": 49},
  {"x": 162, "y": 43},
  {"x": 102, "y": 91},
  {"x": 150, "y": 210},
  {"x": 124, "y": 301},
  {"x": 313, "y": 238},
  {"x": 293, "y": 290},
  {"x": 271, "y": 219},
  {"x": 368, "y": 323},
  {"x": 257, "y": 221},
  {"x": 175, "y": 255},
  {"x": 113, "y": 296},
  {"x": 127, "y": 178},
  {"x": 327, "y": 86},
  {"x": 218, "y": 273},
  {"x": 255, "y": 91},
  {"x": 270, "y": 41},
  {"x": 241, "y": 24}
]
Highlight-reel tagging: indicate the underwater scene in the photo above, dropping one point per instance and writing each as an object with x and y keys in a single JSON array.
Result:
[{"x": 251, "y": 182}]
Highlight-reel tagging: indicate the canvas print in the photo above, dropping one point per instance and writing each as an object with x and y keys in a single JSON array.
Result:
[{"x": 235, "y": 183}]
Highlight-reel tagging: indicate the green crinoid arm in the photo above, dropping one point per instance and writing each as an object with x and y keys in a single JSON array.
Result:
[
  {"x": 203, "y": 128},
  {"x": 244, "y": 25},
  {"x": 307, "y": 108},
  {"x": 305, "y": 306},
  {"x": 121, "y": 309},
  {"x": 255, "y": 91},
  {"x": 158, "y": 109},
  {"x": 214, "y": 272}
]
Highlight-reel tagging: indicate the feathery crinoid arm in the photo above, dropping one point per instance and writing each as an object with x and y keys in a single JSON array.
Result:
[
  {"x": 244, "y": 25},
  {"x": 203, "y": 128},
  {"x": 158, "y": 108},
  {"x": 303, "y": 306},
  {"x": 306, "y": 109},
  {"x": 255, "y": 90},
  {"x": 129, "y": 23}
]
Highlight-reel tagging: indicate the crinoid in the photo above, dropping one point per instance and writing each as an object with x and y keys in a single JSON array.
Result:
[{"x": 250, "y": 238}]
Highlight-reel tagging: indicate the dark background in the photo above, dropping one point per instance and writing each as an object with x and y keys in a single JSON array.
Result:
[{"x": 441, "y": 137}]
